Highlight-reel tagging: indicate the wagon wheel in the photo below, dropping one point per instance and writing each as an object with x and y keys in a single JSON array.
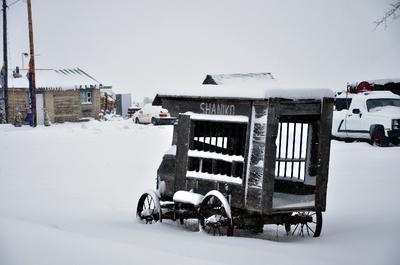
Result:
[
  {"x": 213, "y": 217},
  {"x": 310, "y": 224},
  {"x": 148, "y": 208}
]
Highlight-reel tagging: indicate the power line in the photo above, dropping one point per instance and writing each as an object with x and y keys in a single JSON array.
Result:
[{"x": 13, "y": 3}]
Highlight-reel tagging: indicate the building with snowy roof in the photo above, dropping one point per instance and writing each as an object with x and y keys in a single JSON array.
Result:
[
  {"x": 68, "y": 94},
  {"x": 227, "y": 79}
]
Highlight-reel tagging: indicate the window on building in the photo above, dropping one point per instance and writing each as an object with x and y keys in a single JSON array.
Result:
[{"x": 86, "y": 97}]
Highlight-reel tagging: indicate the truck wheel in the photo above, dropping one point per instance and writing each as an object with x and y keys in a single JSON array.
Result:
[
  {"x": 378, "y": 137},
  {"x": 154, "y": 121}
]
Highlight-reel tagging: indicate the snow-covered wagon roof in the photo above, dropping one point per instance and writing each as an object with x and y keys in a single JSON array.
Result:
[
  {"x": 245, "y": 92},
  {"x": 56, "y": 79},
  {"x": 250, "y": 86}
]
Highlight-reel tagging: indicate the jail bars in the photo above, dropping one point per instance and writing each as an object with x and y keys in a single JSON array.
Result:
[{"x": 291, "y": 152}]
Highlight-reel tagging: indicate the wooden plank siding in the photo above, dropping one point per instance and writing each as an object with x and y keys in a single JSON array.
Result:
[
  {"x": 17, "y": 102},
  {"x": 61, "y": 105},
  {"x": 205, "y": 106}
]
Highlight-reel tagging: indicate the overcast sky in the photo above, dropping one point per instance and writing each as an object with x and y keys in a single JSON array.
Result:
[{"x": 141, "y": 46}]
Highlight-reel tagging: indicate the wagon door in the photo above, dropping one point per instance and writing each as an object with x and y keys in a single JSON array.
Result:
[
  {"x": 302, "y": 156},
  {"x": 295, "y": 176}
]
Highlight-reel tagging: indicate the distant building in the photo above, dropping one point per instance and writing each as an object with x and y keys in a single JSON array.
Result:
[
  {"x": 123, "y": 102},
  {"x": 226, "y": 79},
  {"x": 64, "y": 94}
]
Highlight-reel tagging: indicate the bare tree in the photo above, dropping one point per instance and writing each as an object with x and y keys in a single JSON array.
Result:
[{"x": 391, "y": 13}]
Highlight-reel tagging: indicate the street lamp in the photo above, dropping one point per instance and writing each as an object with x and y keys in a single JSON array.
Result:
[
  {"x": 23, "y": 54},
  {"x": 26, "y": 55}
]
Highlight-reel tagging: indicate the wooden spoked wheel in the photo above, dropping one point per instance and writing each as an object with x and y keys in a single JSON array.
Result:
[
  {"x": 149, "y": 209},
  {"x": 213, "y": 217},
  {"x": 310, "y": 224}
]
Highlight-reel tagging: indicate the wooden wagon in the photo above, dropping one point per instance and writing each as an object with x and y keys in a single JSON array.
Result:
[{"x": 239, "y": 162}]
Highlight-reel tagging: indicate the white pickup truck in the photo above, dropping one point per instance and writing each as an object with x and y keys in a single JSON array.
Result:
[{"x": 372, "y": 116}]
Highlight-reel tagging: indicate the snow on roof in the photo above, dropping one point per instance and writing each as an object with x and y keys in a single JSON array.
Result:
[
  {"x": 56, "y": 79},
  {"x": 107, "y": 90},
  {"x": 249, "y": 91},
  {"x": 226, "y": 79},
  {"x": 384, "y": 81},
  {"x": 380, "y": 82}
]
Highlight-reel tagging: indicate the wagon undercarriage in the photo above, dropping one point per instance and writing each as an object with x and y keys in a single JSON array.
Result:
[{"x": 214, "y": 219}]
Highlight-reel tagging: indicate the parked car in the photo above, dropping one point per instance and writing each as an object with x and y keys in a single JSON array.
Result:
[
  {"x": 372, "y": 116},
  {"x": 153, "y": 114},
  {"x": 132, "y": 110}
]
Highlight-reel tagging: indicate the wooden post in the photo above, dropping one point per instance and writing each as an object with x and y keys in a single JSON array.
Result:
[
  {"x": 324, "y": 138},
  {"x": 182, "y": 152},
  {"x": 270, "y": 157},
  {"x": 32, "y": 55},
  {"x": 5, "y": 61}
]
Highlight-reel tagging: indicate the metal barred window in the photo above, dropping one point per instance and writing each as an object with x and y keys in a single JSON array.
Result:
[
  {"x": 217, "y": 148},
  {"x": 291, "y": 154}
]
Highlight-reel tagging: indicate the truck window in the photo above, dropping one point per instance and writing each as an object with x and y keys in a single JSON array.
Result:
[
  {"x": 377, "y": 103},
  {"x": 342, "y": 103}
]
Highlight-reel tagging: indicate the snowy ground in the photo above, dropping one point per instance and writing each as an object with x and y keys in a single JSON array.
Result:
[{"x": 68, "y": 195}]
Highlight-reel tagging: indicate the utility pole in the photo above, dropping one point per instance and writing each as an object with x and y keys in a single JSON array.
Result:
[
  {"x": 32, "y": 64},
  {"x": 5, "y": 60}
]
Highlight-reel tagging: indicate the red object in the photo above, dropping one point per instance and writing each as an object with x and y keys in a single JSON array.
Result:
[
  {"x": 364, "y": 86},
  {"x": 30, "y": 68},
  {"x": 360, "y": 87}
]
